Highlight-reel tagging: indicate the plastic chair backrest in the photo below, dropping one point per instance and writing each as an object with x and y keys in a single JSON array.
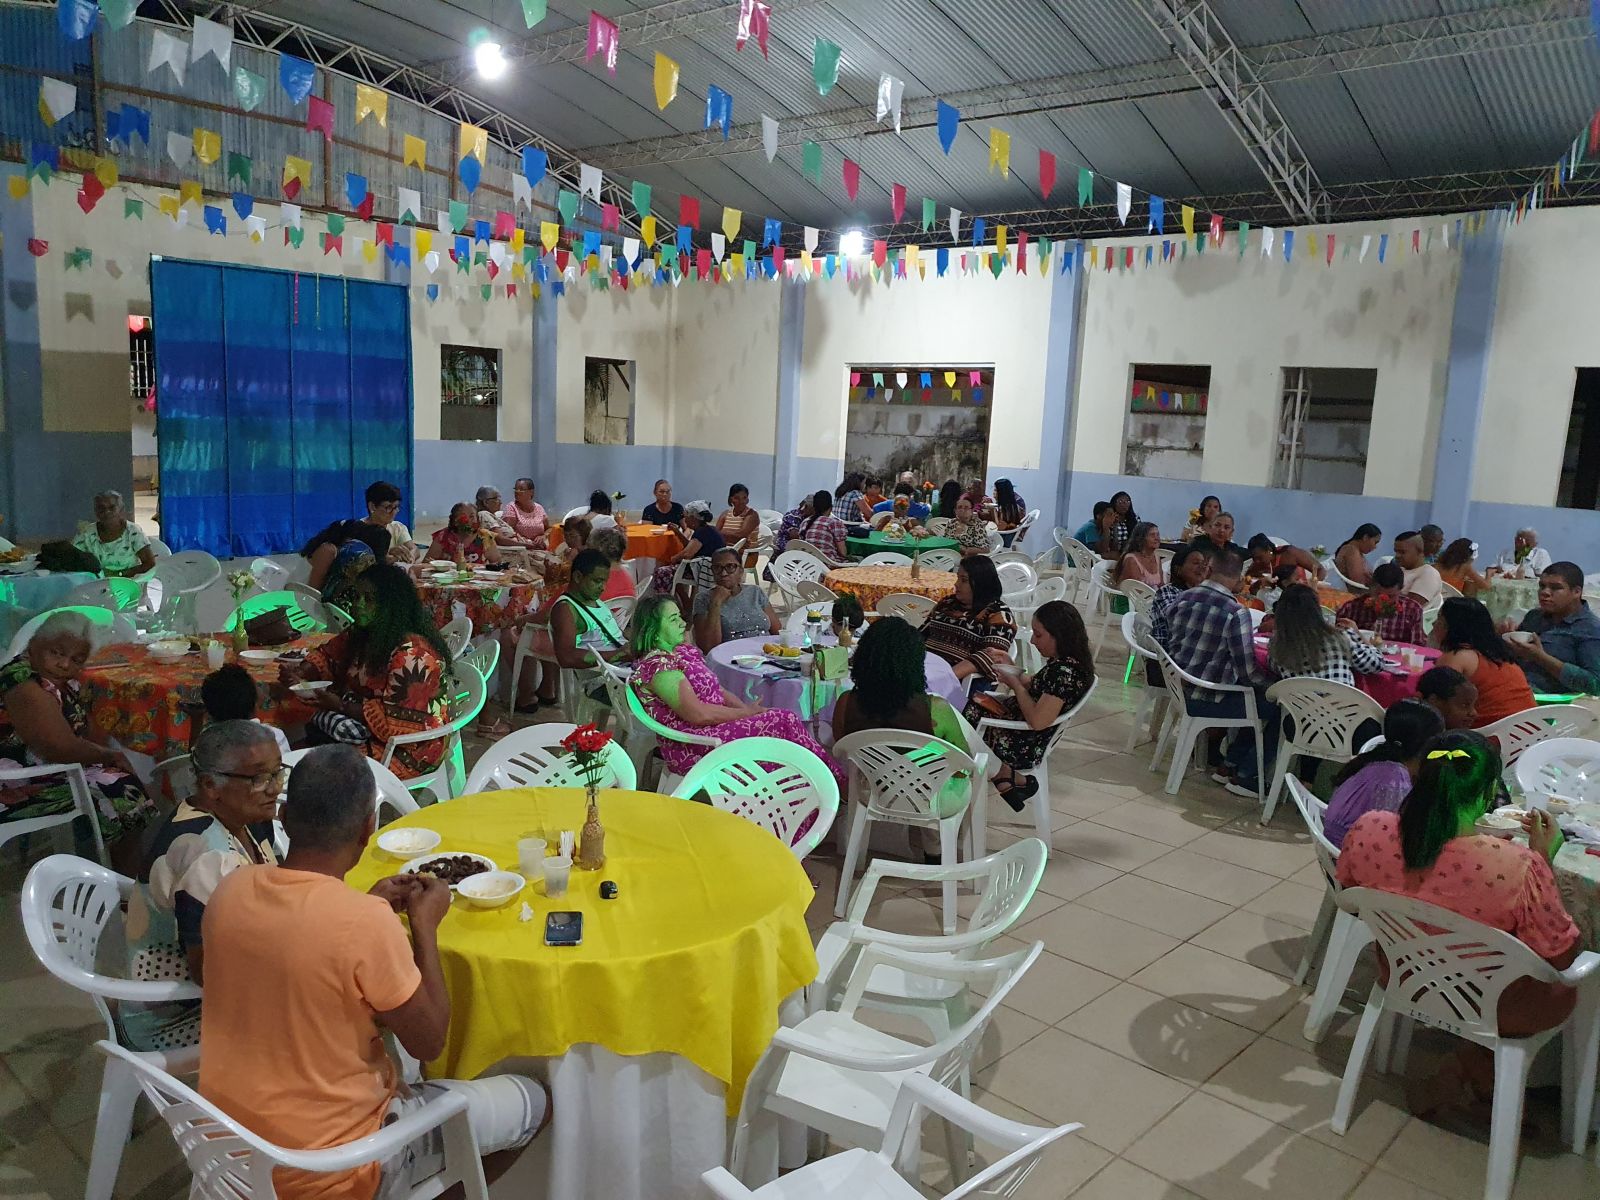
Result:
[
  {"x": 1516, "y": 733},
  {"x": 269, "y": 576},
  {"x": 391, "y": 790},
  {"x": 533, "y": 757},
  {"x": 159, "y": 548},
  {"x": 468, "y": 696},
  {"x": 484, "y": 656},
  {"x": 771, "y": 518},
  {"x": 1024, "y": 525},
  {"x": 1078, "y": 556},
  {"x": 904, "y": 771},
  {"x": 637, "y": 711},
  {"x": 886, "y": 558},
  {"x": 912, "y": 608},
  {"x": 1136, "y": 632},
  {"x": 778, "y": 785},
  {"x": 1314, "y": 812},
  {"x": 802, "y": 546},
  {"x": 622, "y": 610},
  {"x": 792, "y": 566},
  {"x": 812, "y": 592},
  {"x": 940, "y": 560},
  {"x": 1566, "y": 767},
  {"x": 188, "y": 572},
  {"x": 1140, "y": 594},
  {"x": 937, "y": 525},
  {"x": 67, "y": 902},
  {"x": 110, "y": 628},
  {"x": 1016, "y": 573},
  {"x": 303, "y": 617},
  {"x": 1325, "y": 715},
  {"x": 457, "y": 635},
  {"x": 96, "y": 593},
  {"x": 1014, "y": 876}
]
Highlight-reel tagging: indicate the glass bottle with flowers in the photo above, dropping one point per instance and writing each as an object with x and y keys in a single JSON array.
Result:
[
  {"x": 240, "y": 582},
  {"x": 587, "y": 745}
]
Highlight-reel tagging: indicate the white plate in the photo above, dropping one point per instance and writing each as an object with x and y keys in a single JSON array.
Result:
[
  {"x": 430, "y": 842},
  {"x": 748, "y": 660},
  {"x": 306, "y": 686},
  {"x": 411, "y": 867},
  {"x": 442, "y": 564},
  {"x": 258, "y": 656}
]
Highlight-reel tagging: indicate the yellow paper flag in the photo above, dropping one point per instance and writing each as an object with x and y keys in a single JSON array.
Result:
[
  {"x": 207, "y": 145},
  {"x": 949, "y": 379},
  {"x": 518, "y": 271},
  {"x": 914, "y": 259},
  {"x": 421, "y": 242},
  {"x": 736, "y": 265},
  {"x": 369, "y": 250},
  {"x": 1000, "y": 151},
  {"x": 549, "y": 233},
  {"x": 415, "y": 152},
  {"x": 105, "y": 170},
  {"x": 474, "y": 141},
  {"x": 1094, "y": 256},
  {"x": 731, "y": 217},
  {"x": 169, "y": 205},
  {"x": 1188, "y": 221},
  {"x": 647, "y": 230},
  {"x": 1311, "y": 243},
  {"x": 517, "y": 239},
  {"x": 1000, "y": 239},
  {"x": 666, "y": 80},
  {"x": 372, "y": 101},
  {"x": 805, "y": 262},
  {"x": 17, "y": 185},
  {"x": 297, "y": 168},
  {"x": 189, "y": 191}
]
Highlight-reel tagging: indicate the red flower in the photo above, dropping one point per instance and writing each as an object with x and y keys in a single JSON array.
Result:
[{"x": 586, "y": 739}]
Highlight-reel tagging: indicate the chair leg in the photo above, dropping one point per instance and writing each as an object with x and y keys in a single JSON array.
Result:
[
  {"x": 1041, "y": 804},
  {"x": 119, "y": 1090},
  {"x": 1581, "y": 1051},
  {"x": 949, "y": 834},
  {"x": 1511, "y": 1060},
  {"x": 1359, "y": 1050},
  {"x": 859, "y": 824},
  {"x": 1279, "y": 770},
  {"x": 1346, "y": 940},
  {"x": 1188, "y": 733},
  {"x": 1169, "y": 722},
  {"x": 1318, "y": 939}
]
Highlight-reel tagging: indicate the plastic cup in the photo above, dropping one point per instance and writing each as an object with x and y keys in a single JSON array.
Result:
[
  {"x": 556, "y": 870},
  {"x": 216, "y": 655},
  {"x": 530, "y": 856}
]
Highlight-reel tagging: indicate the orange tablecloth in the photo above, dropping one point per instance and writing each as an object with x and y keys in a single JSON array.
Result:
[
  {"x": 1329, "y": 598},
  {"x": 146, "y": 704},
  {"x": 490, "y": 605},
  {"x": 871, "y": 584},
  {"x": 644, "y": 541}
]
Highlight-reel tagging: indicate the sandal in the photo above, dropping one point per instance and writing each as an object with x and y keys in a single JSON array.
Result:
[
  {"x": 1008, "y": 790},
  {"x": 495, "y": 729}
]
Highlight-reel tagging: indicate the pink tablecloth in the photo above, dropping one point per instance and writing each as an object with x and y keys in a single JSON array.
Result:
[
  {"x": 1397, "y": 683},
  {"x": 787, "y": 690}
]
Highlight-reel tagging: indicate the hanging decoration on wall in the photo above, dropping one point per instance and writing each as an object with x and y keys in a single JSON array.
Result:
[
  {"x": 533, "y": 11},
  {"x": 666, "y": 80},
  {"x": 719, "y": 109},
  {"x": 319, "y": 116},
  {"x": 213, "y": 38},
  {"x": 57, "y": 99},
  {"x": 414, "y": 152},
  {"x": 170, "y": 52},
  {"x": 248, "y": 89},
  {"x": 207, "y": 145},
  {"x": 602, "y": 41},
  {"x": 295, "y": 76},
  {"x": 754, "y": 20},
  {"x": 75, "y": 18},
  {"x": 769, "y": 137},
  {"x": 373, "y": 102},
  {"x": 890, "y": 93},
  {"x": 825, "y": 56}
]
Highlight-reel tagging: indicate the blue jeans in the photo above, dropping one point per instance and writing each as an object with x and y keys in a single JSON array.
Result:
[{"x": 1241, "y": 753}]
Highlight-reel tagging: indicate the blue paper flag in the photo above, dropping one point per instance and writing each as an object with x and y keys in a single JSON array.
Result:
[
  {"x": 541, "y": 271},
  {"x": 1288, "y": 244},
  {"x": 471, "y": 171},
  {"x": 622, "y": 265},
  {"x": 977, "y": 395},
  {"x": 1149, "y": 254},
  {"x": 355, "y": 187},
  {"x": 433, "y": 291},
  {"x": 296, "y": 75},
  {"x": 949, "y": 122},
  {"x": 943, "y": 259},
  {"x": 1067, "y": 262},
  {"x": 126, "y": 121},
  {"x": 463, "y": 248},
  {"x": 591, "y": 243},
  {"x": 534, "y": 164},
  {"x": 1158, "y": 215},
  {"x": 979, "y": 225},
  {"x": 719, "y": 109},
  {"x": 215, "y": 221},
  {"x": 1383, "y": 240},
  {"x": 685, "y": 239},
  {"x": 76, "y": 18},
  {"x": 831, "y": 264},
  {"x": 43, "y": 154},
  {"x": 559, "y": 288},
  {"x": 480, "y": 232},
  {"x": 771, "y": 232},
  {"x": 927, "y": 379},
  {"x": 243, "y": 204},
  {"x": 399, "y": 255}
]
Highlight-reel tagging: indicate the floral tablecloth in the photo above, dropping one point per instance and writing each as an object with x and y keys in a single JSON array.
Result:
[
  {"x": 644, "y": 541},
  {"x": 871, "y": 584},
  {"x": 490, "y": 603},
  {"x": 148, "y": 705},
  {"x": 1578, "y": 877}
]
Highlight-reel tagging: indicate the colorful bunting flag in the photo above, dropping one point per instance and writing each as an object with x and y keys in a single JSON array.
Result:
[
  {"x": 119, "y": 13},
  {"x": 1085, "y": 186},
  {"x": 167, "y": 51},
  {"x": 928, "y": 213},
  {"x": 647, "y": 230},
  {"x": 602, "y": 41},
  {"x": 754, "y": 20},
  {"x": 825, "y": 57},
  {"x": 216, "y": 223},
  {"x": 567, "y": 205},
  {"x": 457, "y": 215},
  {"x": 666, "y": 80},
  {"x": 769, "y": 136},
  {"x": 1000, "y": 151},
  {"x": 719, "y": 109},
  {"x": 75, "y": 18},
  {"x": 319, "y": 116},
  {"x": 239, "y": 168},
  {"x": 473, "y": 140},
  {"x": 180, "y": 149},
  {"x": 771, "y": 231},
  {"x": 1047, "y": 173},
  {"x": 1158, "y": 216},
  {"x": 890, "y": 93},
  {"x": 689, "y": 212},
  {"x": 213, "y": 38},
  {"x": 470, "y": 172},
  {"x": 589, "y": 181},
  {"x": 355, "y": 188},
  {"x": 732, "y": 218},
  {"x": 372, "y": 101},
  {"x": 296, "y": 76},
  {"x": 57, "y": 99},
  {"x": 127, "y": 121},
  {"x": 249, "y": 89},
  {"x": 1124, "y": 202},
  {"x": 852, "y": 177},
  {"x": 897, "y": 201},
  {"x": 207, "y": 145},
  {"x": 1187, "y": 215},
  {"x": 811, "y": 161},
  {"x": 414, "y": 152}
]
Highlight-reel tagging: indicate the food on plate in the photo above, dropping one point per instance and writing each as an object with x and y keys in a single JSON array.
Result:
[
  {"x": 774, "y": 650},
  {"x": 408, "y": 843},
  {"x": 15, "y": 554},
  {"x": 453, "y": 868}
]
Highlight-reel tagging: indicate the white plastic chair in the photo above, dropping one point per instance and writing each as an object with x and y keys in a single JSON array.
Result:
[
  {"x": 812, "y": 592},
  {"x": 457, "y": 635},
  {"x": 1077, "y": 563},
  {"x": 82, "y": 802},
  {"x": 485, "y": 656},
  {"x": 1098, "y": 602},
  {"x": 663, "y": 733},
  {"x": 306, "y": 613},
  {"x": 939, "y": 560},
  {"x": 1053, "y": 587},
  {"x": 1142, "y": 645},
  {"x": 159, "y": 548},
  {"x": 466, "y": 702},
  {"x": 391, "y": 788},
  {"x": 872, "y": 1175},
  {"x": 782, "y": 787},
  {"x": 887, "y": 558},
  {"x": 532, "y": 757},
  {"x": 1028, "y": 518},
  {"x": 792, "y": 566},
  {"x": 907, "y": 606},
  {"x": 840, "y": 1077},
  {"x": 229, "y": 1162},
  {"x": 1041, "y": 799},
  {"x": 770, "y": 518},
  {"x": 97, "y": 593},
  {"x": 1566, "y": 767},
  {"x": 1448, "y": 972},
  {"x": 177, "y": 579},
  {"x": 1338, "y": 935},
  {"x": 1186, "y": 727},
  {"x": 109, "y": 628},
  {"x": 1319, "y": 719},
  {"x": 937, "y": 525},
  {"x": 269, "y": 576},
  {"x": 1514, "y": 734},
  {"x": 903, "y": 774},
  {"x": 67, "y": 903}
]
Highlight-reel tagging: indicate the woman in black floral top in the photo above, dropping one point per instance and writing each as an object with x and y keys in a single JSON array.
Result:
[
  {"x": 972, "y": 630},
  {"x": 1038, "y": 699}
]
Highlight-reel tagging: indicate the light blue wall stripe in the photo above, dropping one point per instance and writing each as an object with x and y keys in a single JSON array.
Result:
[
  {"x": 784, "y": 475},
  {"x": 1471, "y": 335}
]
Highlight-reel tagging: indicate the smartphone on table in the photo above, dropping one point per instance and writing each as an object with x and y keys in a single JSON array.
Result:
[{"x": 563, "y": 929}]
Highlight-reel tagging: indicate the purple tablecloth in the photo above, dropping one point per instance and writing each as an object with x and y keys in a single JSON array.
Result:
[{"x": 786, "y": 689}]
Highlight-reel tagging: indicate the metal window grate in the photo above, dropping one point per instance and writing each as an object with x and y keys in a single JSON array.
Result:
[{"x": 469, "y": 377}]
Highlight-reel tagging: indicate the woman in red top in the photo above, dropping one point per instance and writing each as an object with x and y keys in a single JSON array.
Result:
[
  {"x": 462, "y": 540},
  {"x": 1465, "y": 632}
]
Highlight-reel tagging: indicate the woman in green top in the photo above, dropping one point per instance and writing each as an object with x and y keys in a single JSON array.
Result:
[{"x": 583, "y": 633}]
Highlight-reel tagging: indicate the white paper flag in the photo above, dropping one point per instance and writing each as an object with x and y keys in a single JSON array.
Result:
[
  {"x": 256, "y": 227},
  {"x": 410, "y": 201},
  {"x": 431, "y": 261},
  {"x": 630, "y": 249},
  {"x": 290, "y": 214},
  {"x": 769, "y": 136},
  {"x": 444, "y": 223},
  {"x": 168, "y": 50},
  {"x": 890, "y": 90},
  {"x": 180, "y": 147},
  {"x": 811, "y": 238},
  {"x": 1266, "y": 243},
  {"x": 955, "y": 225},
  {"x": 901, "y": 378},
  {"x": 59, "y": 96},
  {"x": 719, "y": 246},
  {"x": 210, "y": 37},
  {"x": 1124, "y": 202},
  {"x": 1366, "y": 242},
  {"x": 497, "y": 253},
  {"x": 521, "y": 192},
  {"x": 589, "y": 181},
  {"x": 605, "y": 259},
  {"x": 1445, "y": 229}
]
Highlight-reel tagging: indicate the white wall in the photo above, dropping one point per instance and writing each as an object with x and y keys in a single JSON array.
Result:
[{"x": 1249, "y": 319}]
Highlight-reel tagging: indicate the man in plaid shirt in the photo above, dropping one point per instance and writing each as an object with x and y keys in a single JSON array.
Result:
[
  {"x": 1394, "y": 617},
  {"x": 1210, "y": 636}
]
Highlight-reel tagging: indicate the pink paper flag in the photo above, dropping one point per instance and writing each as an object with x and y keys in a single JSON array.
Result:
[
  {"x": 319, "y": 116},
  {"x": 880, "y": 252},
  {"x": 1330, "y": 249},
  {"x": 602, "y": 40},
  {"x": 611, "y": 217},
  {"x": 855, "y": 378},
  {"x": 852, "y": 177},
  {"x": 504, "y": 225},
  {"x": 689, "y": 211},
  {"x": 777, "y": 258},
  {"x": 897, "y": 198},
  {"x": 754, "y": 18},
  {"x": 702, "y": 262},
  {"x": 1022, "y": 252},
  {"x": 1047, "y": 172},
  {"x": 975, "y": 378},
  {"x": 1216, "y": 229}
]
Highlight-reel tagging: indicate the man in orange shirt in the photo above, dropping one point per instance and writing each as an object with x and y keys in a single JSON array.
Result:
[{"x": 302, "y": 974}]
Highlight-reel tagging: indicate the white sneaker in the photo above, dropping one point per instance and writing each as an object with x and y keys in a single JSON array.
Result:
[
  {"x": 1240, "y": 789},
  {"x": 1221, "y": 775}
]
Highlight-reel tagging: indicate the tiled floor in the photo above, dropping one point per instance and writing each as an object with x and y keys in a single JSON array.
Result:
[{"x": 1161, "y": 1016}]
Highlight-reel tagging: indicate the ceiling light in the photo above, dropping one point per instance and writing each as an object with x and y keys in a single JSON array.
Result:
[
  {"x": 852, "y": 244},
  {"x": 489, "y": 59}
]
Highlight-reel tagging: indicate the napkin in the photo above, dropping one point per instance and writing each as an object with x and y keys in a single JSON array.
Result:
[{"x": 568, "y": 840}]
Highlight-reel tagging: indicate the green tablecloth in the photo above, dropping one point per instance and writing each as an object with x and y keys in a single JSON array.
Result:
[{"x": 874, "y": 542}]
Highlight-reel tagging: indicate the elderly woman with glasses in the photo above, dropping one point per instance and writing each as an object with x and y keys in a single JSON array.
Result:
[
  {"x": 226, "y": 824},
  {"x": 730, "y": 609},
  {"x": 120, "y": 546}
]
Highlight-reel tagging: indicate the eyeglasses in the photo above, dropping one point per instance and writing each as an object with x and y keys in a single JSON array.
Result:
[
  {"x": 724, "y": 568},
  {"x": 272, "y": 781}
]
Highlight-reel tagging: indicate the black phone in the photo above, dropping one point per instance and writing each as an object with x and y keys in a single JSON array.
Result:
[{"x": 563, "y": 929}]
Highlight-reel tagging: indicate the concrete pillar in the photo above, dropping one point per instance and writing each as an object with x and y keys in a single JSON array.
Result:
[
  {"x": 1062, "y": 358},
  {"x": 786, "y": 480}
]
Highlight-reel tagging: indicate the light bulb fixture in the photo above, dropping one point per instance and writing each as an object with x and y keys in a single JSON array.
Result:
[
  {"x": 852, "y": 243},
  {"x": 489, "y": 59}
]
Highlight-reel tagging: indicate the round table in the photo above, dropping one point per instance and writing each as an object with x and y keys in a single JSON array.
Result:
[
  {"x": 678, "y": 980},
  {"x": 147, "y": 705},
  {"x": 1506, "y": 596},
  {"x": 1398, "y": 682},
  {"x": 26, "y": 594},
  {"x": 861, "y": 545},
  {"x": 490, "y": 599},
  {"x": 871, "y": 584},
  {"x": 644, "y": 541},
  {"x": 775, "y": 687}
]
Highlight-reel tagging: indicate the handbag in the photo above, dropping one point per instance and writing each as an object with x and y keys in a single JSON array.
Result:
[{"x": 270, "y": 628}]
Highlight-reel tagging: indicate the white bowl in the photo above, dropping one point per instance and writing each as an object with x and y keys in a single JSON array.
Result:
[
  {"x": 408, "y": 842},
  {"x": 258, "y": 656},
  {"x": 169, "y": 648},
  {"x": 306, "y": 686},
  {"x": 1502, "y": 823},
  {"x": 1519, "y": 635},
  {"x": 442, "y": 564},
  {"x": 491, "y": 889}
]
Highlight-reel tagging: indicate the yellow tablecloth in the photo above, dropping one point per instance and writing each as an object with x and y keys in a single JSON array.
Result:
[
  {"x": 871, "y": 584},
  {"x": 644, "y": 541},
  {"x": 705, "y": 939}
]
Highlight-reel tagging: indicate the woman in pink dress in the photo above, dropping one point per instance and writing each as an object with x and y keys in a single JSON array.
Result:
[
  {"x": 1141, "y": 560},
  {"x": 678, "y": 689}
]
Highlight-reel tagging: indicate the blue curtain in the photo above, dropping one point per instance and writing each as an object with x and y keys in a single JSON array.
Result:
[{"x": 280, "y": 397}]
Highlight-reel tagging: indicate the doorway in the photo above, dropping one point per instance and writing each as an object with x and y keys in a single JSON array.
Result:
[{"x": 145, "y": 507}]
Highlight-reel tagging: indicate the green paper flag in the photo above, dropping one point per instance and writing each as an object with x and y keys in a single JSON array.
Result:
[
  {"x": 811, "y": 160},
  {"x": 79, "y": 258},
  {"x": 335, "y": 225},
  {"x": 248, "y": 88},
  {"x": 1244, "y": 237},
  {"x": 641, "y": 198},
  {"x": 294, "y": 236},
  {"x": 1199, "y": 243},
  {"x": 749, "y": 250},
  {"x": 481, "y": 257},
  {"x": 997, "y": 263},
  {"x": 927, "y": 214},
  {"x": 533, "y": 11},
  {"x": 1085, "y": 186},
  {"x": 134, "y": 209},
  {"x": 458, "y": 215},
  {"x": 119, "y": 13},
  {"x": 462, "y": 265},
  {"x": 567, "y": 203},
  {"x": 485, "y": 290},
  {"x": 825, "y": 65},
  {"x": 239, "y": 168}
]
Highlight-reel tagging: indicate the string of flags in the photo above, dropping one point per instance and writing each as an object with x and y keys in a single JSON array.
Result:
[{"x": 650, "y": 256}]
